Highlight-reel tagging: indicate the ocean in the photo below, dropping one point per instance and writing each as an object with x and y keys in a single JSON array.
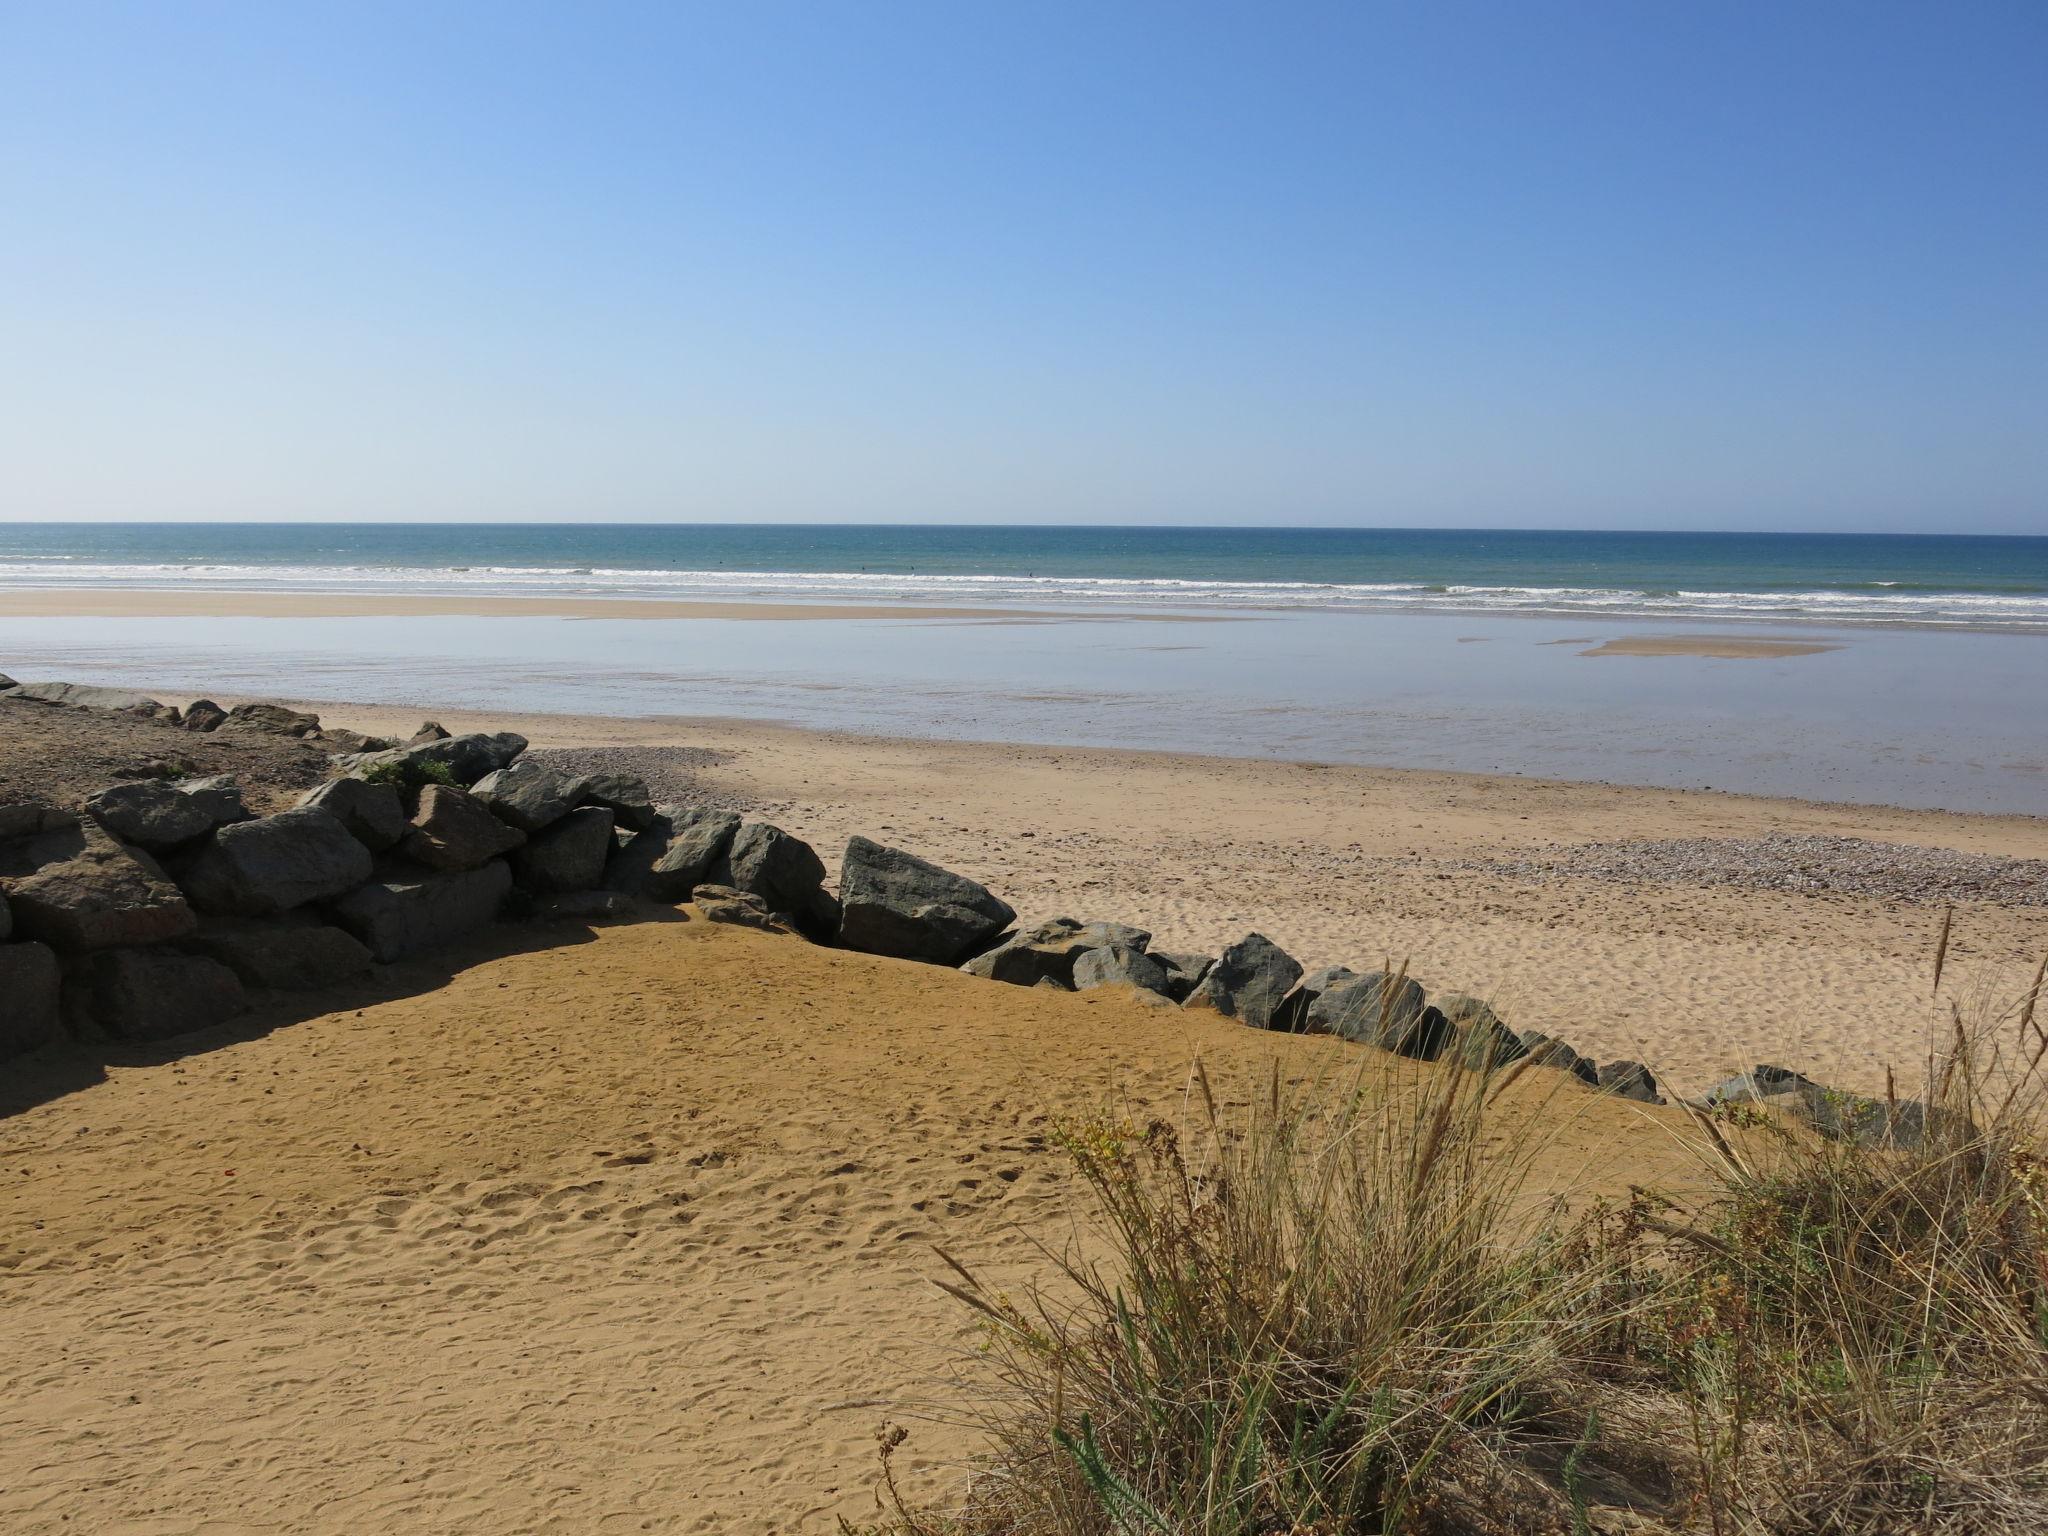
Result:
[
  {"x": 1919, "y": 677},
  {"x": 1928, "y": 581}
]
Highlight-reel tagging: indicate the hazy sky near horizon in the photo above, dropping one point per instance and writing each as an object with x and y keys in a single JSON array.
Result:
[{"x": 1742, "y": 265}]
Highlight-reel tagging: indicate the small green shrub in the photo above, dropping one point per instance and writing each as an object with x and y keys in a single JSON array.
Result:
[{"x": 410, "y": 774}]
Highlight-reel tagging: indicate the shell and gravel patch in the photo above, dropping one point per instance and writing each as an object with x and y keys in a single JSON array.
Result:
[{"x": 1799, "y": 864}]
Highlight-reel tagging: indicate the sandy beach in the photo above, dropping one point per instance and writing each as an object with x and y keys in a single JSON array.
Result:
[
  {"x": 629, "y": 1229},
  {"x": 1348, "y": 865}
]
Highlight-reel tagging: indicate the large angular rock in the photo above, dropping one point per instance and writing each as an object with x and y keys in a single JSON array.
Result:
[
  {"x": 467, "y": 758},
  {"x": 76, "y": 888},
  {"x": 203, "y": 715},
  {"x": 398, "y": 918},
  {"x": 25, "y": 818},
  {"x": 742, "y": 909},
  {"x": 1294, "y": 1011},
  {"x": 453, "y": 831},
  {"x": 1249, "y": 982},
  {"x": 338, "y": 740},
  {"x": 1480, "y": 1040},
  {"x": 1047, "y": 952},
  {"x": 268, "y": 866},
  {"x": 87, "y": 696},
  {"x": 273, "y": 718},
  {"x": 1183, "y": 972},
  {"x": 784, "y": 871},
  {"x": 1629, "y": 1080},
  {"x": 528, "y": 795},
  {"x": 1843, "y": 1116},
  {"x": 1761, "y": 1081},
  {"x": 1119, "y": 965},
  {"x": 623, "y": 795},
  {"x": 568, "y": 856},
  {"x": 29, "y": 981},
  {"x": 674, "y": 856},
  {"x": 1546, "y": 1051},
  {"x": 289, "y": 957},
  {"x": 373, "y": 813},
  {"x": 158, "y": 814},
  {"x": 894, "y": 903},
  {"x": 1374, "y": 1009},
  {"x": 149, "y": 994}
]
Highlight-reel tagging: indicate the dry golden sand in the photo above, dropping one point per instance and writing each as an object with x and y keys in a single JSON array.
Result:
[
  {"x": 1343, "y": 865},
  {"x": 629, "y": 1232}
]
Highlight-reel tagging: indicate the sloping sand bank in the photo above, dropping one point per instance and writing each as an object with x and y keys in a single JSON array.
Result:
[{"x": 626, "y": 1233}]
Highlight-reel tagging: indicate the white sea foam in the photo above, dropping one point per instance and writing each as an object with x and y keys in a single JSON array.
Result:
[{"x": 1877, "y": 603}]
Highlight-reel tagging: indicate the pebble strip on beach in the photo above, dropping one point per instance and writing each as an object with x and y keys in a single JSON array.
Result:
[{"x": 1807, "y": 865}]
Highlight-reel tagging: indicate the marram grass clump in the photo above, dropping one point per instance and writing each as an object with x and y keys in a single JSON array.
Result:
[{"x": 1351, "y": 1312}]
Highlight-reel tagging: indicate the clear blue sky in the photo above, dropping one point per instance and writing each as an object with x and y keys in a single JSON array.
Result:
[{"x": 1617, "y": 264}]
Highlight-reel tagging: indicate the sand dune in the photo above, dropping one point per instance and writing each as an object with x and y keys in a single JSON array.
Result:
[{"x": 632, "y": 1232}]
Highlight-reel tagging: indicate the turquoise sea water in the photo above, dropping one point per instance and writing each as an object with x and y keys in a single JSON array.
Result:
[
  {"x": 1469, "y": 651},
  {"x": 1933, "y": 580}
]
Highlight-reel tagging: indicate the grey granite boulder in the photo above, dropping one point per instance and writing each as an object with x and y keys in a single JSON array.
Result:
[
  {"x": 272, "y": 718},
  {"x": 785, "y": 872},
  {"x": 528, "y": 795},
  {"x": 1119, "y": 965},
  {"x": 373, "y": 813},
  {"x": 29, "y": 981},
  {"x": 467, "y": 758},
  {"x": 25, "y": 818},
  {"x": 1548, "y": 1052},
  {"x": 894, "y": 903},
  {"x": 1760, "y": 1082},
  {"x": 1183, "y": 972},
  {"x": 743, "y": 909},
  {"x": 87, "y": 696},
  {"x": 340, "y": 740},
  {"x": 1374, "y": 1009},
  {"x": 203, "y": 715},
  {"x": 267, "y": 866},
  {"x": 1249, "y": 982},
  {"x": 159, "y": 814},
  {"x": 398, "y": 918},
  {"x": 1294, "y": 1010},
  {"x": 453, "y": 831},
  {"x": 567, "y": 856},
  {"x": 674, "y": 856},
  {"x": 623, "y": 795},
  {"x": 1047, "y": 951},
  {"x": 290, "y": 957},
  {"x": 1480, "y": 1040},
  {"x": 76, "y": 888},
  {"x": 150, "y": 994},
  {"x": 1628, "y": 1080}
]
